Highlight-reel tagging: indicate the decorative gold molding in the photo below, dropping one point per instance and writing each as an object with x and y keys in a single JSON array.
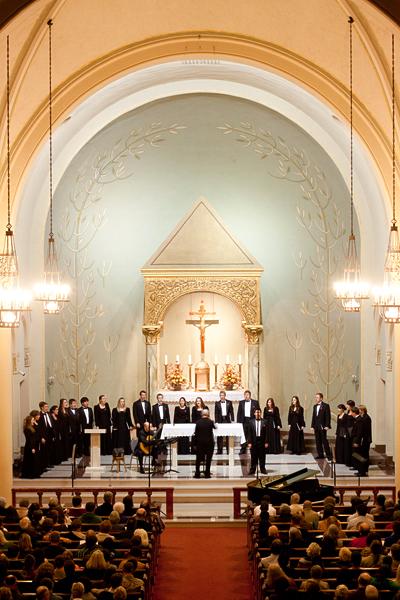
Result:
[
  {"x": 253, "y": 333},
  {"x": 160, "y": 293},
  {"x": 152, "y": 333}
]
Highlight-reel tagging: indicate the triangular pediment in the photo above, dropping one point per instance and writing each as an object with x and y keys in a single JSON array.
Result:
[{"x": 201, "y": 241}]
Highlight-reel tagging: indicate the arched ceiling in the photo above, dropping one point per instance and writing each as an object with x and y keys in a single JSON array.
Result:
[{"x": 9, "y": 8}]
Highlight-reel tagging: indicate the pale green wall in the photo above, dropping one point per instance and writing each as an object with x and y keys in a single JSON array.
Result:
[{"x": 259, "y": 201}]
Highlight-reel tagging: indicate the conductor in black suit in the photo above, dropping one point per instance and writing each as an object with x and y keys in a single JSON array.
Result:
[
  {"x": 204, "y": 441},
  {"x": 141, "y": 410},
  {"x": 223, "y": 414},
  {"x": 246, "y": 410},
  {"x": 160, "y": 412},
  {"x": 85, "y": 422},
  {"x": 257, "y": 442},
  {"x": 321, "y": 422}
]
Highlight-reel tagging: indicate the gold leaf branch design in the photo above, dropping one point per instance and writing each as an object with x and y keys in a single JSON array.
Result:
[
  {"x": 321, "y": 219},
  {"x": 111, "y": 344},
  {"x": 79, "y": 226},
  {"x": 295, "y": 342}
]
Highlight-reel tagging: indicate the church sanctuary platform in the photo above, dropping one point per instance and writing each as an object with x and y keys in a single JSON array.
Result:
[{"x": 207, "y": 500}]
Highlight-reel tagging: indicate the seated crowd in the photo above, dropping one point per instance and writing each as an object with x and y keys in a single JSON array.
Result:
[
  {"x": 325, "y": 551},
  {"x": 86, "y": 552}
]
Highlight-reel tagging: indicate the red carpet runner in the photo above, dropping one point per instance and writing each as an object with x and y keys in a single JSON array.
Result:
[{"x": 203, "y": 562}]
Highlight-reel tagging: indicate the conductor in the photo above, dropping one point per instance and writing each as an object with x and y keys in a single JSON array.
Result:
[{"x": 204, "y": 443}]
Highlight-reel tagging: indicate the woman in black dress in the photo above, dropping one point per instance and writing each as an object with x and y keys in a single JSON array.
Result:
[
  {"x": 342, "y": 436},
  {"x": 182, "y": 415},
  {"x": 122, "y": 426},
  {"x": 274, "y": 424},
  {"x": 63, "y": 425},
  {"x": 56, "y": 459},
  {"x": 30, "y": 461},
  {"x": 197, "y": 407},
  {"x": 102, "y": 420},
  {"x": 296, "y": 423}
]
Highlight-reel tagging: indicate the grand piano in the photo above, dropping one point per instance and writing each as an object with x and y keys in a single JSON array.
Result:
[{"x": 280, "y": 488}]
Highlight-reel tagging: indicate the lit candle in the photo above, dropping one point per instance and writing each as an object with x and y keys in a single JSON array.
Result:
[
  {"x": 215, "y": 360},
  {"x": 190, "y": 359},
  {"x": 240, "y": 359},
  {"x": 227, "y": 359},
  {"x": 165, "y": 360},
  {"x": 177, "y": 358}
]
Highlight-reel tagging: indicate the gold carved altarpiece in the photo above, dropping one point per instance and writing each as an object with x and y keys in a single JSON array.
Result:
[{"x": 201, "y": 255}]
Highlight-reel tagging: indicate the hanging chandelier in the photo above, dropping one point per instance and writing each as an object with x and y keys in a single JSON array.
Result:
[
  {"x": 51, "y": 290},
  {"x": 351, "y": 290},
  {"x": 387, "y": 297},
  {"x": 13, "y": 300}
]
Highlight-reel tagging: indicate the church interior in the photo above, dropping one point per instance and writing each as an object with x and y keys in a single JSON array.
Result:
[{"x": 199, "y": 198}]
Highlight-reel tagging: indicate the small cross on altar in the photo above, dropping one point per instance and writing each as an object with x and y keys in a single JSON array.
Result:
[{"x": 202, "y": 323}]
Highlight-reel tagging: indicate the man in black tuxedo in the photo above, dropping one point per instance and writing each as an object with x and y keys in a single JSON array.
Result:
[
  {"x": 367, "y": 434},
  {"x": 74, "y": 427},
  {"x": 85, "y": 422},
  {"x": 358, "y": 461},
  {"x": 141, "y": 410},
  {"x": 47, "y": 436},
  {"x": 246, "y": 410},
  {"x": 160, "y": 412},
  {"x": 204, "y": 443},
  {"x": 257, "y": 442},
  {"x": 223, "y": 414},
  {"x": 321, "y": 422}
]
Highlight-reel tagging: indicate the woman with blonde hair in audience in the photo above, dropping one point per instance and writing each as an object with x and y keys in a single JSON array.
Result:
[
  {"x": 342, "y": 591},
  {"x": 274, "y": 574},
  {"x": 120, "y": 593},
  {"x": 313, "y": 556},
  {"x": 77, "y": 590},
  {"x": 96, "y": 565},
  {"x": 143, "y": 536}
]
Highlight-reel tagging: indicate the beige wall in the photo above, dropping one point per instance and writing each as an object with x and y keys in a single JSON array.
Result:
[{"x": 304, "y": 41}]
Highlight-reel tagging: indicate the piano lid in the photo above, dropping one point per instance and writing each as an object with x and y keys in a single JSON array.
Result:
[{"x": 288, "y": 480}]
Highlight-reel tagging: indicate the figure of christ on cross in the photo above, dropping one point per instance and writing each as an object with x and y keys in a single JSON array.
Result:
[{"x": 202, "y": 323}]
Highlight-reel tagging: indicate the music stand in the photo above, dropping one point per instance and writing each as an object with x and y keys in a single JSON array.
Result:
[{"x": 168, "y": 442}]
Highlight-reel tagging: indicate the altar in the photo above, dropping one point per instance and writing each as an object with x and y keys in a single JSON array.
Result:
[
  {"x": 209, "y": 398},
  {"x": 230, "y": 430}
]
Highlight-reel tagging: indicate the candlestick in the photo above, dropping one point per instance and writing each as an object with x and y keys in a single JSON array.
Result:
[
  {"x": 190, "y": 387},
  {"x": 166, "y": 376},
  {"x": 165, "y": 360},
  {"x": 240, "y": 359},
  {"x": 190, "y": 360},
  {"x": 177, "y": 359},
  {"x": 227, "y": 359},
  {"x": 240, "y": 375},
  {"x": 215, "y": 376}
]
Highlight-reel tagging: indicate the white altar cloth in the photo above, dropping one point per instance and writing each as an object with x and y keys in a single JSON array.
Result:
[
  {"x": 171, "y": 396},
  {"x": 231, "y": 430}
]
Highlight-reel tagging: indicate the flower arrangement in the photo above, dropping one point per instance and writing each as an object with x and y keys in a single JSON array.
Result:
[
  {"x": 175, "y": 378},
  {"x": 230, "y": 377}
]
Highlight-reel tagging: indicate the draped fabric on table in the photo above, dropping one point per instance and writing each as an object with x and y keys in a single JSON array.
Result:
[{"x": 182, "y": 415}]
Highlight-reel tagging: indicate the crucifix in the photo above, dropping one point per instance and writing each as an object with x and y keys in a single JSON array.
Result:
[{"x": 202, "y": 323}]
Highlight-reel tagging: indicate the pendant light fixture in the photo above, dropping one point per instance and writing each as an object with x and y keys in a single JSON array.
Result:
[
  {"x": 13, "y": 300},
  {"x": 51, "y": 290},
  {"x": 387, "y": 297},
  {"x": 351, "y": 290}
]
